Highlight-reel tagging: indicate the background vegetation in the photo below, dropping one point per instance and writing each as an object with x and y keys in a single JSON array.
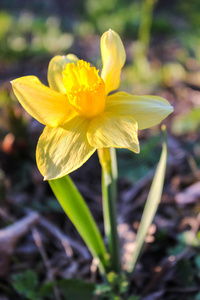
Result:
[{"x": 39, "y": 248}]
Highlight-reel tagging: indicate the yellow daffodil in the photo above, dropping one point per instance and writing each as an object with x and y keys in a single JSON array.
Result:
[{"x": 80, "y": 115}]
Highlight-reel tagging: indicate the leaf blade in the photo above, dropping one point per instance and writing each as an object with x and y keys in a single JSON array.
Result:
[
  {"x": 76, "y": 209},
  {"x": 151, "y": 206}
]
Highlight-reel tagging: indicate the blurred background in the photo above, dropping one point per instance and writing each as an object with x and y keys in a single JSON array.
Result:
[{"x": 162, "y": 42}]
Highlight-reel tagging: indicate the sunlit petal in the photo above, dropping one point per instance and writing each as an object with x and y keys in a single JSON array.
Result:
[
  {"x": 63, "y": 150},
  {"x": 45, "y": 105},
  {"x": 56, "y": 67},
  {"x": 109, "y": 130},
  {"x": 148, "y": 111},
  {"x": 113, "y": 57}
]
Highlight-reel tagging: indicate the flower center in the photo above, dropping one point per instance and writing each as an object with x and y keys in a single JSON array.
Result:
[{"x": 84, "y": 88}]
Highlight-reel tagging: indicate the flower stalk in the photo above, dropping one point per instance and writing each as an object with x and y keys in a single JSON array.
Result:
[{"x": 107, "y": 160}]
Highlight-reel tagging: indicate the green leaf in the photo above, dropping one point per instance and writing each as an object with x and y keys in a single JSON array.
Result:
[
  {"x": 25, "y": 283},
  {"x": 133, "y": 297},
  {"x": 151, "y": 206},
  {"x": 47, "y": 290},
  {"x": 197, "y": 261},
  {"x": 75, "y": 289},
  {"x": 185, "y": 273},
  {"x": 176, "y": 250},
  {"x": 197, "y": 297},
  {"x": 189, "y": 238},
  {"x": 76, "y": 209},
  {"x": 115, "y": 288},
  {"x": 188, "y": 122}
]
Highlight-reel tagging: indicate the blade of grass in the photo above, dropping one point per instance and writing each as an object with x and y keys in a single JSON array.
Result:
[
  {"x": 76, "y": 209},
  {"x": 151, "y": 206}
]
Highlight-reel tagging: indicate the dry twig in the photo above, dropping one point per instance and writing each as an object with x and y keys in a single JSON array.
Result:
[
  {"x": 42, "y": 251},
  {"x": 10, "y": 235},
  {"x": 67, "y": 242}
]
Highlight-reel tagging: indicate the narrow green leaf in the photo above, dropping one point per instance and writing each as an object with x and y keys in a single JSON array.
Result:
[
  {"x": 76, "y": 209},
  {"x": 151, "y": 206}
]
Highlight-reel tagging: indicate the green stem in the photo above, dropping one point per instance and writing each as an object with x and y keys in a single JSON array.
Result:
[
  {"x": 109, "y": 177},
  {"x": 145, "y": 24},
  {"x": 144, "y": 34}
]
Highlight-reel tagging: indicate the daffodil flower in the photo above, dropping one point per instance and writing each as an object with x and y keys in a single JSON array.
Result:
[{"x": 79, "y": 112}]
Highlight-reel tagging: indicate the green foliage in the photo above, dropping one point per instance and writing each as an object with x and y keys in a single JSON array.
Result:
[
  {"x": 176, "y": 249},
  {"x": 197, "y": 263},
  {"x": 5, "y": 23},
  {"x": 187, "y": 266},
  {"x": 121, "y": 16},
  {"x": 172, "y": 73},
  {"x": 190, "y": 12},
  {"x": 197, "y": 297},
  {"x": 26, "y": 284},
  {"x": 115, "y": 290},
  {"x": 187, "y": 123},
  {"x": 143, "y": 163},
  {"x": 190, "y": 238},
  {"x": 185, "y": 272},
  {"x": 190, "y": 36},
  {"x": 5, "y": 99},
  {"x": 187, "y": 238},
  {"x": 118, "y": 282},
  {"x": 70, "y": 289},
  {"x": 27, "y": 35},
  {"x": 10, "y": 121},
  {"x": 51, "y": 205}
]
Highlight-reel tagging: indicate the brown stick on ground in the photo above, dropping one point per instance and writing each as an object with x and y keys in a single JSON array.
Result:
[
  {"x": 10, "y": 235},
  {"x": 67, "y": 242},
  {"x": 42, "y": 251}
]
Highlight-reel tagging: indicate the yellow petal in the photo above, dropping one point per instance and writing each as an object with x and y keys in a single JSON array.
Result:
[
  {"x": 47, "y": 106},
  {"x": 63, "y": 150},
  {"x": 56, "y": 67},
  {"x": 113, "y": 57},
  {"x": 109, "y": 130},
  {"x": 148, "y": 111}
]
